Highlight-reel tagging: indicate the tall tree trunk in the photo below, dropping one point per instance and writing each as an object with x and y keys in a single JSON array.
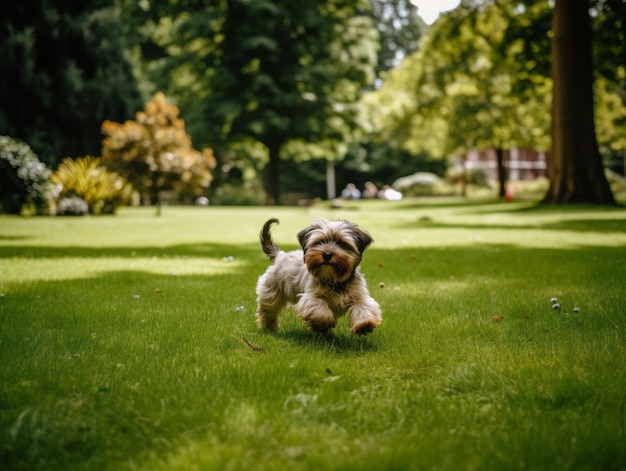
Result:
[
  {"x": 501, "y": 172},
  {"x": 331, "y": 185},
  {"x": 273, "y": 172},
  {"x": 155, "y": 193},
  {"x": 575, "y": 166}
]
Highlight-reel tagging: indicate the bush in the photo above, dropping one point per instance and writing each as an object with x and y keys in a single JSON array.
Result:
[
  {"x": 85, "y": 178},
  {"x": 23, "y": 177},
  {"x": 72, "y": 207},
  {"x": 422, "y": 184},
  {"x": 474, "y": 176},
  {"x": 530, "y": 189},
  {"x": 616, "y": 181},
  {"x": 247, "y": 194}
]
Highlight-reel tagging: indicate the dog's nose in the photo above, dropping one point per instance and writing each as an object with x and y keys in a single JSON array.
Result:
[{"x": 327, "y": 256}]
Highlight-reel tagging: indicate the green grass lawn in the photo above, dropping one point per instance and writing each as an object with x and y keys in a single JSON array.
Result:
[{"x": 127, "y": 343}]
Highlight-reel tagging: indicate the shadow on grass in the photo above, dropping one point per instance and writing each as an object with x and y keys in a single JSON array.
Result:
[
  {"x": 12, "y": 238},
  {"x": 580, "y": 225},
  {"x": 336, "y": 340},
  {"x": 491, "y": 205},
  {"x": 463, "y": 285},
  {"x": 445, "y": 202},
  {"x": 413, "y": 277},
  {"x": 183, "y": 250}
]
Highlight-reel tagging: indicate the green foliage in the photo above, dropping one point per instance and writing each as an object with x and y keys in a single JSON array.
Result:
[
  {"x": 400, "y": 28},
  {"x": 128, "y": 352},
  {"x": 65, "y": 69},
  {"x": 245, "y": 194},
  {"x": 610, "y": 118},
  {"x": 468, "y": 176},
  {"x": 458, "y": 90},
  {"x": 266, "y": 71},
  {"x": 86, "y": 178},
  {"x": 422, "y": 184},
  {"x": 609, "y": 32},
  {"x": 23, "y": 177}
]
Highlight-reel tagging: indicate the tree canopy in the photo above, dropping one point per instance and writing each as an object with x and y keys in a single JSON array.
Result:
[
  {"x": 271, "y": 72},
  {"x": 482, "y": 78},
  {"x": 63, "y": 70},
  {"x": 275, "y": 85}
]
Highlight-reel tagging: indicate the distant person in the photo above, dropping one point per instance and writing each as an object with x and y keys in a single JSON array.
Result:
[
  {"x": 351, "y": 192},
  {"x": 370, "y": 190},
  {"x": 388, "y": 193}
]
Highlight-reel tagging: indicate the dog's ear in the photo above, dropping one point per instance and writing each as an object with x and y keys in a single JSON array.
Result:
[
  {"x": 303, "y": 236},
  {"x": 362, "y": 239}
]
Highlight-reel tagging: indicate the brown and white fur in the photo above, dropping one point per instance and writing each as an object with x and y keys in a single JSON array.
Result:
[{"x": 322, "y": 280}]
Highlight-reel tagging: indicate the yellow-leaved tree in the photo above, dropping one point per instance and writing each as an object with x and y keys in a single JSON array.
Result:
[{"x": 155, "y": 154}]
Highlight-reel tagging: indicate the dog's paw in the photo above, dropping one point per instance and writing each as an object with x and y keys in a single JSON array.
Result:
[
  {"x": 267, "y": 324},
  {"x": 363, "y": 328},
  {"x": 321, "y": 327}
]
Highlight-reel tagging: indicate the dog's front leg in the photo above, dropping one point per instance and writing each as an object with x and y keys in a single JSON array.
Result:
[
  {"x": 315, "y": 313},
  {"x": 364, "y": 316}
]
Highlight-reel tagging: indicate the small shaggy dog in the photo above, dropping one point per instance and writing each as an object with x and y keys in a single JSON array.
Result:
[{"x": 322, "y": 280}]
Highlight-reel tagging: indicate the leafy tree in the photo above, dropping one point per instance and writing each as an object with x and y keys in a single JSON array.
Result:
[
  {"x": 400, "y": 29},
  {"x": 575, "y": 165},
  {"x": 610, "y": 123},
  {"x": 155, "y": 153},
  {"x": 609, "y": 40},
  {"x": 603, "y": 34},
  {"x": 63, "y": 70},
  {"x": 461, "y": 90},
  {"x": 268, "y": 71},
  {"x": 23, "y": 177},
  {"x": 86, "y": 178}
]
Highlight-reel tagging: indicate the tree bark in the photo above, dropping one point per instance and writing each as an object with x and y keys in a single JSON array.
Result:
[
  {"x": 155, "y": 198},
  {"x": 273, "y": 172},
  {"x": 331, "y": 186},
  {"x": 575, "y": 166},
  {"x": 501, "y": 172}
]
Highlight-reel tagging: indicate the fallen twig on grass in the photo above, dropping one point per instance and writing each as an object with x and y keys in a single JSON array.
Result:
[{"x": 256, "y": 348}]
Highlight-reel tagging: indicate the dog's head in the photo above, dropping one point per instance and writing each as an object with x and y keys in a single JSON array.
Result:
[{"x": 333, "y": 249}]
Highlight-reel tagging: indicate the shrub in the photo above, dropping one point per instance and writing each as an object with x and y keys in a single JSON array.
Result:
[
  {"x": 421, "y": 184},
  {"x": 155, "y": 152},
  {"x": 247, "y": 194},
  {"x": 23, "y": 177},
  {"x": 617, "y": 181},
  {"x": 474, "y": 176},
  {"x": 72, "y": 207},
  {"x": 530, "y": 189},
  {"x": 86, "y": 178}
]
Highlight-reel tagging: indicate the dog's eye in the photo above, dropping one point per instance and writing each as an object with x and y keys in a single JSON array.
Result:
[{"x": 341, "y": 244}]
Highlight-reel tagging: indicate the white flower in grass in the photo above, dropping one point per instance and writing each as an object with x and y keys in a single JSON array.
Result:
[{"x": 330, "y": 379}]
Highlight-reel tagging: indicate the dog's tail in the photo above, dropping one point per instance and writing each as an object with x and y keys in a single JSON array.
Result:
[{"x": 267, "y": 244}]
